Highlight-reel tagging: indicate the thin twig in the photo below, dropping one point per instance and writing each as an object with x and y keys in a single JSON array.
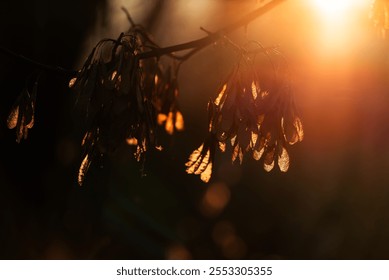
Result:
[
  {"x": 36, "y": 63},
  {"x": 129, "y": 18}
]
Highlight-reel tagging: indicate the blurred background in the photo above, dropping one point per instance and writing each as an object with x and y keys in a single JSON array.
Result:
[{"x": 332, "y": 204}]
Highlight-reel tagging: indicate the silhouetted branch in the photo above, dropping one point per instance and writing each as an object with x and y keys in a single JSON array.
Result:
[
  {"x": 129, "y": 18},
  {"x": 211, "y": 38},
  {"x": 195, "y": 45}
]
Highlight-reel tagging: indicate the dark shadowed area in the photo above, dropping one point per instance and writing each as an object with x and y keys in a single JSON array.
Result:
[{"x": 333, "y": 203}]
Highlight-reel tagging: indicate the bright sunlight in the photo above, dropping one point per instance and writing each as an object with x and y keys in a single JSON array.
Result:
[
  {"x": 332, "y": 9},
  {"x": 337, "y": 9},
  {"x": 337, "y": 23}
]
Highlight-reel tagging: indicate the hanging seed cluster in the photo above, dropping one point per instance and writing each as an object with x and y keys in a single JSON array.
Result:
[
  {"x": 247, "y": 119},
  {"x": 124, "y": 99},
  {"x": 22, "y": 113}
]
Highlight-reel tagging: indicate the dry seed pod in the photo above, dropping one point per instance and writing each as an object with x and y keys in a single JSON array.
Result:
[{"x": 22, "y": 113}]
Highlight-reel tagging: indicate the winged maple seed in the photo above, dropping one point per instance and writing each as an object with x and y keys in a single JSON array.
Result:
[
  {"x": 123, "y": 99},
  {"x": 83, "y": 169},
  {"x": 201, "y": 160},
  {"x": 22, "y": 113},
  {"x": 165, "y": 96},
  {"x": 249, "y": 119}
]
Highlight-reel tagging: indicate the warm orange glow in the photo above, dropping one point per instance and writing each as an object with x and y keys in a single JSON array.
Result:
[
  {"x": 179, "y": 121},
  {"x": 72, "y": 82},
  {"x": 169, "y": 127},
  {"x": 161, "y": 118},
  {"x": 132, "y": 141}
]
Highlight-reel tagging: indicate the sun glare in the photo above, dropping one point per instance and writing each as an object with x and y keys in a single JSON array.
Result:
[
  {"x": 334, "y": 8},
  {"x": 337, "y": 23}
]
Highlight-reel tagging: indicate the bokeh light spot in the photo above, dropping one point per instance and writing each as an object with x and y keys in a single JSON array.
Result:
[{"x": 215, "y": 199}]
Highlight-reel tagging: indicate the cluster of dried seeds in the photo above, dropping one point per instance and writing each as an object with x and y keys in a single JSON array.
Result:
[{"x": 245, "y": 118}]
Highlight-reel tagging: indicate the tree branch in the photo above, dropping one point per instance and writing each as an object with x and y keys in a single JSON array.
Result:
[{"x": 211, "y": 38}]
